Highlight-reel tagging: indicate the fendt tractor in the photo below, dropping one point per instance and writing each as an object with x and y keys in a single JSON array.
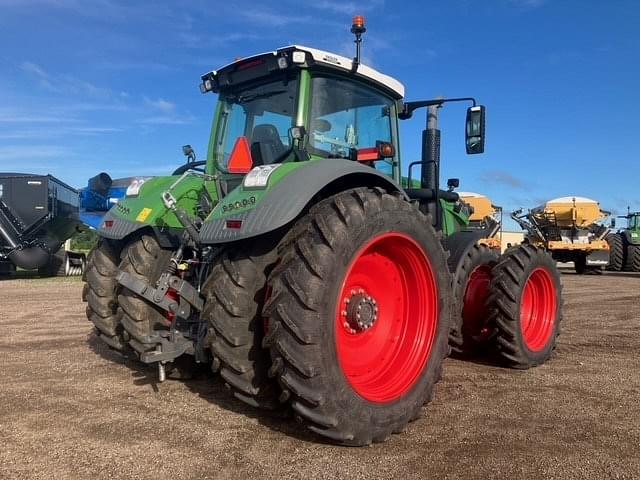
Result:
[
  {"x": 571, "y": 229},
  {"x": 300, "y": 266},
  {"x": 625, "y": 244}
]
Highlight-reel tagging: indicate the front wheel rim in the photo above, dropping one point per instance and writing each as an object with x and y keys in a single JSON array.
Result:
[
  {"x": 538, "y": 309},
  {"x": 386, "y": 317}
]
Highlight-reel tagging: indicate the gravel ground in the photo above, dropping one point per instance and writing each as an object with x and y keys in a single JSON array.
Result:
[{"x": 70, "y": 408}]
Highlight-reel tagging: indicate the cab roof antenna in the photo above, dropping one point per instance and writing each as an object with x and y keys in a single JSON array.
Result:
[{"x": 357, "y": 28}]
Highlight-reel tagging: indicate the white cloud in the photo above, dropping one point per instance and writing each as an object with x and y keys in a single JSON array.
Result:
[
  {"x": 161, "y": 104},
  {"x": 348, "y": 8},
  {"x": 64, "y": 84},
  {"x": 27, "y": 152},
  {"x": 529, "y": 3},
  {"x": 164, "y": 120},
  {"x": 269, "y": 18},
  {"x": 11, "y": 116}
]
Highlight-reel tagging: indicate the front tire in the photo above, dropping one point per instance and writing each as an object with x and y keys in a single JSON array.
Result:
[
  {"x": 525, "y": 306},
  {"x": 359, "y": 316}
]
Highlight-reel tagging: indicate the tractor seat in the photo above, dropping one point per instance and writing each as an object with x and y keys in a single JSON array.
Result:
[
  {"x": 266, "y": 146},
  {"x": 428, "y": 194}
]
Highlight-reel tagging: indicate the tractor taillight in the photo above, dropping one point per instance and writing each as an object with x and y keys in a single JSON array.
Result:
[{"x": 234, "y": 224}]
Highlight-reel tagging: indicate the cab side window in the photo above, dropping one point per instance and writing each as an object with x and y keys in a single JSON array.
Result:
[{"x": 346, "y": 117}]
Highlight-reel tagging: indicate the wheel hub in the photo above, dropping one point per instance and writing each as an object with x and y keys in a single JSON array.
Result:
[{"x": 361, "y": 311}]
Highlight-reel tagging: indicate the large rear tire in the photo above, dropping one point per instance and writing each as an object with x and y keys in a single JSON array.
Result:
[
  {"x": 471, "y": 291},
  {"x": 100, "y": 293},
  {"x": 633, "y": 258},
  {"x": 359, "y": 316},
  {"x": 525, "y": 306},
  {"x": 235, "y": 292},
  {"x": 616, "y": 252},
  {"x": 144, "y": 259}
]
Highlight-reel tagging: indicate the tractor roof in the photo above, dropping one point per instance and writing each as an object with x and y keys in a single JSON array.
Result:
[{"x": 335, "y": 61}]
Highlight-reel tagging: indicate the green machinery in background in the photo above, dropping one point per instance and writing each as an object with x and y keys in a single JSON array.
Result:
[{"x": 625, "y": 244}]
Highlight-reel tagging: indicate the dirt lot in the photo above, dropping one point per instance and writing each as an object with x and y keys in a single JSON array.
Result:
[{"x": 69, "y": 408}]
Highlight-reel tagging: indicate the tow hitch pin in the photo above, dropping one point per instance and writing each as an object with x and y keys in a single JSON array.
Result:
[{"x": 162, "y": 375}]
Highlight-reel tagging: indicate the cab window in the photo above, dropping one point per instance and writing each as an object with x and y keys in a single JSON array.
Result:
[
  {"x": 347, "y": 116},
  {"x": 262, "y": 113}
]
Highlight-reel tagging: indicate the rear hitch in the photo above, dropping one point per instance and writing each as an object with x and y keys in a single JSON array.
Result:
[
  {"x": 188, "y": 295},
  {"x": 169, "y": 344}
]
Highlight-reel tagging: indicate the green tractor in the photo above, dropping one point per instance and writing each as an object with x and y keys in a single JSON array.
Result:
[
  {"x": 303, "y": 267},
  {"x": 624, "y": 245}
]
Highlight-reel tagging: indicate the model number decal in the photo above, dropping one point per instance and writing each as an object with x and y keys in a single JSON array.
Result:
[{"x": 245, "y": 202}]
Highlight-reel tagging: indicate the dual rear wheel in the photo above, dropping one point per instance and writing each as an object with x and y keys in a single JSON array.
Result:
[{"x": 510, "y": 305}]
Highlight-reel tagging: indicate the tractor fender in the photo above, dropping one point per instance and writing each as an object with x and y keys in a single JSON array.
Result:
[
  {"x": 291, "y": 195},
  {"x": 629, "y": 237},
  {"x": 458, "y": 245},
  {"x": 114, "y": 227}
]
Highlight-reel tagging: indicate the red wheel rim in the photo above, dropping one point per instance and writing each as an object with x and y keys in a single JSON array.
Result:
[
  {"x": 474, "y": 309},
  {"x": 538, "y": 309},
  {"x": 391, "y": 279}
]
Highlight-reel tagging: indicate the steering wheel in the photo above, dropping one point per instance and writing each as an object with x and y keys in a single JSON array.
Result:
[{"x": 190, "y": 166}]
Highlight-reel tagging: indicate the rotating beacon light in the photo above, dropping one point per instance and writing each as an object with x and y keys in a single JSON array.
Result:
[{"x": 357, "y": 28}]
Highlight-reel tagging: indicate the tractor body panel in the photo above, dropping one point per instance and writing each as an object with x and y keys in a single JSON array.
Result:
[
  {"x": 250, "y": 212},
  {"x": 147, "y": 209}
]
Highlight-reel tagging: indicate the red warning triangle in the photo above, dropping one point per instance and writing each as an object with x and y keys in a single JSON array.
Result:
[{"x": 240, "y": 160}]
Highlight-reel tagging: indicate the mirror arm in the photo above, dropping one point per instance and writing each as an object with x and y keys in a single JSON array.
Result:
[{"x": 409, "y": 107}]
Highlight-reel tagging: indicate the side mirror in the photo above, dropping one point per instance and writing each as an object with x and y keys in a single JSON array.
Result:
[
  {"x": 453, "y": 183},
  {"x": 613, "y": 223},
  {"x": 188, "y": 152},
  {"x": 474, "y": 129}
]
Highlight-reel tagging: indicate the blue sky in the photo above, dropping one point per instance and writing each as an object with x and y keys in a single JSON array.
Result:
[{"x": 112, "y": 85}]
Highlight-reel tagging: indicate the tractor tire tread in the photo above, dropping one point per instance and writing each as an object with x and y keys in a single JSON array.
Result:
[
  {"x": 509, "y": 277},
  {"x": 295, "y": 333},
  {"x": 235, "y": 292},
  {"x": 101, "y": 291}
]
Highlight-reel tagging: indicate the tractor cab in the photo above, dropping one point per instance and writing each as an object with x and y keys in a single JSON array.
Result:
[{"x": 298, "y": 104}]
